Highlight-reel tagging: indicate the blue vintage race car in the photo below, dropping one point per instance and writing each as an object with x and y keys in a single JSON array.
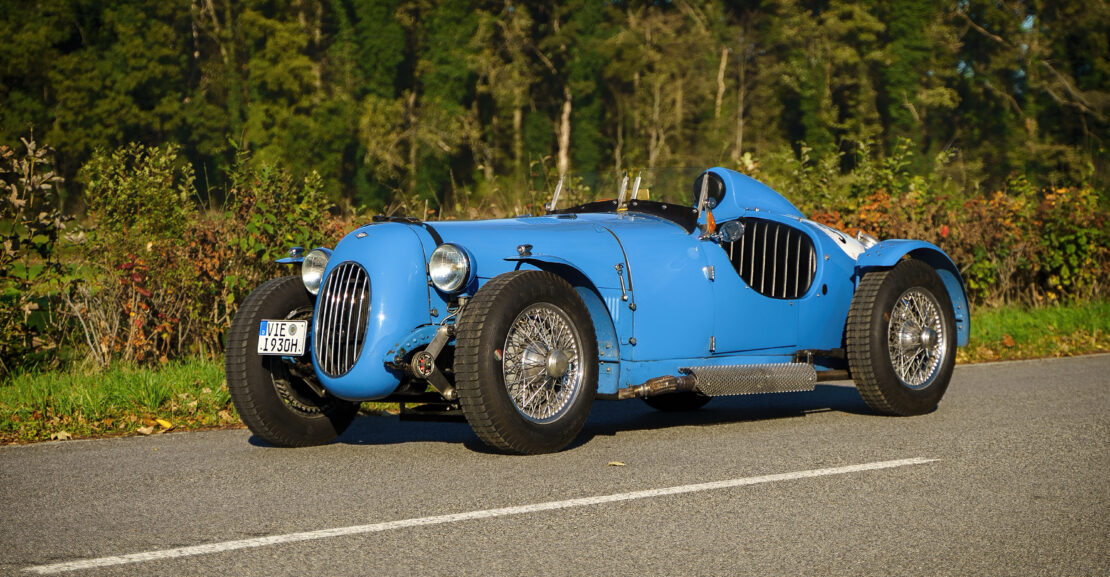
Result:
[{"x": 519, "y": 324}]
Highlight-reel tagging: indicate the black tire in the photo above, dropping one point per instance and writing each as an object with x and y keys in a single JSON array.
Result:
[
  {"x": 675, "y": 402},
  {"x": 275, "y": 403},
  {"x": 491, "y": 346},
  {"x": 877, "y": 331}
]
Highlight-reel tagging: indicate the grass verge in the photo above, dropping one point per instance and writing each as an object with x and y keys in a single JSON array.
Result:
[
  {"x": 1013, "y": 332},
  {"x": 192, "y": 394},
  {"x": 188, "y": 394}
]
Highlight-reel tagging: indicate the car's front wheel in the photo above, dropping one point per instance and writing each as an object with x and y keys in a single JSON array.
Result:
[
  {"x": 526, "y": 363},
  {"x": 272, "y": 393},
  {"x": 901, "y": 339}
]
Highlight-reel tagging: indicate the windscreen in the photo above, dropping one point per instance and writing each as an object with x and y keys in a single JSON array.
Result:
[{"x": 663, "y": 185}]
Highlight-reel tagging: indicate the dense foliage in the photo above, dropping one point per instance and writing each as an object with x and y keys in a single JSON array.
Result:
[
  {"x": 392, "y": 100},
  {"x": 154, "y": 274},
  {"x": 978, "y": 125}
]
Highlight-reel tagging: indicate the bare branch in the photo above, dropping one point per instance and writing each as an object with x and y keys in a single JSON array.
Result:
[
  {"x": 1081, "y": 101},
  {"x": 984, "y": 31},
  {"x": 721, "y": 82}
]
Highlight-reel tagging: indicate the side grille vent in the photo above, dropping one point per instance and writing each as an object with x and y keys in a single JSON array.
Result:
[
  {"x": 774, "y": 259},
  {"x": 342, "y": 313}
]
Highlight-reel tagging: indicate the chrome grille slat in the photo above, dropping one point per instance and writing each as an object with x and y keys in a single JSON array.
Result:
[
  {"x": 775, "y": 263},
  {"x": 341, "y": 347},
  {"x": 763, "y": 261},
  {"x": 337, "y": 304},
  {"x": 358, "y": 322},
  {"x": 342, "y": 315},
  {"x": 751, "y": 256},
  {"x": 798, "y": 266},
  {"x": 319, "y": 342}
]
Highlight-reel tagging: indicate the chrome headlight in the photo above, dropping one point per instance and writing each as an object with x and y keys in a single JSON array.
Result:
[
  {"x": 449, "y": 268},
  {"x": 312, "y": 268}
]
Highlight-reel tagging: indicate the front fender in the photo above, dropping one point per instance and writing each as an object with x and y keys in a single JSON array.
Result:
[
  {"x": 887, "y": 254},
  {"x": 606, "y": 319},
  {"x": 608, "y": 322},
  {"x": 393, "y": 257}
]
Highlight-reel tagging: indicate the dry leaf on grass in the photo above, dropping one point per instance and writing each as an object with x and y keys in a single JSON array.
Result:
[
  {"x": 60, "y": 436},
  {"x": 145, "y": 430},
  {"x": 164, "y": 424}
]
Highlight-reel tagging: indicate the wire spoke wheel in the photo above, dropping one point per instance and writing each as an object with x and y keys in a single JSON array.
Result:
[
  {"x": 541, "y": 363},
  {"x": 526, "y": 362},
  {"x": 900, "y": 337},
  {"x": 915, "y": 338}
]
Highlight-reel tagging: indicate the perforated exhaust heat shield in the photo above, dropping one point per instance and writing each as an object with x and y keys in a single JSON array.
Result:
[{"x": 720, "y": 381}]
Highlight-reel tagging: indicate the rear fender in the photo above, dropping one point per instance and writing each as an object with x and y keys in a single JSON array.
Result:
[{"x": 887, "y": 253}]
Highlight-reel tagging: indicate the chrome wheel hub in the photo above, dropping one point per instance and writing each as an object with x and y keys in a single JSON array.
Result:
[
  {"x": 916, "y": 338},
  {"x": 557, "y": 363},
  {"x": 541, "y": 363},
  {"x": 909, "y": 336}
]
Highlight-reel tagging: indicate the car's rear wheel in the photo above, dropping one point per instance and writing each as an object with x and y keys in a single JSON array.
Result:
[
  {"x": 675, "y": 402},
  {"x": 526, "y": 363},
  {"x": 273, "y": 394},
  {"x": 901, "y": 339}
]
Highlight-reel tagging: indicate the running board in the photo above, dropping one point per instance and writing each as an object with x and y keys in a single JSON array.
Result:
[{"x": 719, "y": 381}]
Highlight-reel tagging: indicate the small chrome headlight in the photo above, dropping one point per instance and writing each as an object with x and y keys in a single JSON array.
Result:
[
  {"x": 312, "y": 268},
  {"x": 449, "y": 268}
]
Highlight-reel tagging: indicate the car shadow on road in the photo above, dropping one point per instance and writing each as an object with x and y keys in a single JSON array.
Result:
[
  {"x": 613, "y": 417},
  {"x": 609, "y": 418}
]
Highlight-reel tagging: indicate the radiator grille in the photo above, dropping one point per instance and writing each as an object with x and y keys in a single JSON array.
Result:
[
  {"x": 774, "y": 259},
  {"x": 342, "y": 313}
]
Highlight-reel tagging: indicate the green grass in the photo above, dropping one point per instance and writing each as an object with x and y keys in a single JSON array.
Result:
[
  {"x": 119, "y": 400},
  {"x": 1015, "y": 332},
  {"x": 192, "y": 394}
]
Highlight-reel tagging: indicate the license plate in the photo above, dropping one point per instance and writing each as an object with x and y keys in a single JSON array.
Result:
[{"x": 285, "y": 338}]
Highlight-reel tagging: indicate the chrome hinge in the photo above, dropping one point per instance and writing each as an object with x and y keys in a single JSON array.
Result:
[
  {"x": 620, "y": 275},
  {"x": 710, "y": 272},
  {"x": 712, "y": 344}
]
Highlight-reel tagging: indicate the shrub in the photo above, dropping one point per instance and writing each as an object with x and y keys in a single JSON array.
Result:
[
  {"x": 137, "y": 303},
  {"x": 232, "y": 251},
  {"x": 992, "y": 240},
  {"x": 31, "y": 271},
  {"x": 166, "y": 277},
  {"x": 1073, "y": 259}
]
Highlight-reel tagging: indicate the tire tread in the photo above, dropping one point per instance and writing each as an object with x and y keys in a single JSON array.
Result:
[
  {"x": 865, "y": 334},
  {"x": 497, "y": 430},
  {"x": 470, "y": 328},
  {"x": 243, "y": 394},
  {"x": 858, "y": 330}
]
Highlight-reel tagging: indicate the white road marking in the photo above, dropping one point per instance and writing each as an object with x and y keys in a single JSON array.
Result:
[{"x": 456, "y": 517}]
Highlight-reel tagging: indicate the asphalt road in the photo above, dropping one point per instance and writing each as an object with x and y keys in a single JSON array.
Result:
[{"x": 1012, "y": 477}]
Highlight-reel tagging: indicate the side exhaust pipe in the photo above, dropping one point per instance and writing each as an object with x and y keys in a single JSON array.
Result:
[{"x": 659, "y": 386}]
